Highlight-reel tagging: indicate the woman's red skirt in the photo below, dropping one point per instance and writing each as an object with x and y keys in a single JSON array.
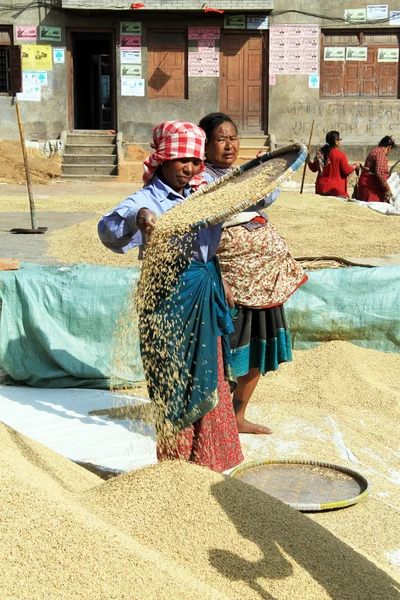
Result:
[
  {"x": 212, "y": 441},
  {"x": 369, "y": 188}
]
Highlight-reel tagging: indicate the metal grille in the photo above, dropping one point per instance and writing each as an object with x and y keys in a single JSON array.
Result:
[{"x": 4, "y": 70}]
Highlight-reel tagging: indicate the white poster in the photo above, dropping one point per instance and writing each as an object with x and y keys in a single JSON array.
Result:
[
  {"x": 59, "y": 56},
  {"x": 259, "y": 22},
  {"x": 313, "y": 81},
  {"x": 41, "y": 77},
  {"x": 377, "y": 11},
  {"x": 131, "y": 57},
  {"x": 388, "y": 55},
  {"x": 131, "y": 86},
  {"x": 334, "y": 53},
  {"x": 394, "y": 17},
  {"x": 356, "y": 53},
  {"x": 28, "y": 77},
  {"x": 355, "y": 15},
  {"x": 30, "y": 93}
]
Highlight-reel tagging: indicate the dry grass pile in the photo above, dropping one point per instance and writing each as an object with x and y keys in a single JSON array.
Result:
[
  {"x": 317, "y": 226},
  {"x": 162, "y": 533},
  {"x": 12, "y": 169}
]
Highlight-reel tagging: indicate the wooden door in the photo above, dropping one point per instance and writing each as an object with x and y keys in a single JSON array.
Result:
[{"x": 241, "y": 81}]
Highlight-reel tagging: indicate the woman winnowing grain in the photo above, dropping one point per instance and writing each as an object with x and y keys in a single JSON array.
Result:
[
  {"x": 257, "y": 265},
  {"x": 200, "y": 406}
]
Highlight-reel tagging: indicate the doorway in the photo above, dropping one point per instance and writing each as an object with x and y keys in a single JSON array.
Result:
[
  {"x": 92, "y": 80},
  {"x": 242, "y": 81}
]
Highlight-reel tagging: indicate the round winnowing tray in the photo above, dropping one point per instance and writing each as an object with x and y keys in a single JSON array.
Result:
[
  {"x": 305, "y": 485},
  {"x": 278, "y": 166}
]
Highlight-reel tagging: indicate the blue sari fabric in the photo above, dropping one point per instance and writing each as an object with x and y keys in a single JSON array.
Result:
[{"x": 196, "y": 308}]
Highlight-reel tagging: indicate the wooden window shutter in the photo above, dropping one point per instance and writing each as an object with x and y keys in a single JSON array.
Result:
[
  {"x": 167, "y": 65},
  {"x": 15, "y": 69},
  {"x": 368, "y": 75},
  {"x": 351, "y": 78},
  {"x": 332, "y": 79}
]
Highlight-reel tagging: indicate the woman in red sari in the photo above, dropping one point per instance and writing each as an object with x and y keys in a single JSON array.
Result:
[
  {"x": 373, "y": 185},
  {"x": 332, "y": 167}
]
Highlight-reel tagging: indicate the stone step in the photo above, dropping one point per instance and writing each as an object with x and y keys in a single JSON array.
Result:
[
  {"x": 87, "y": 138},
  {"x": 109, "y": 149},
  {"x": 90, "y": 177},
  {"x": 89, "y": 169},
  {"x": 87, "y": 159}
]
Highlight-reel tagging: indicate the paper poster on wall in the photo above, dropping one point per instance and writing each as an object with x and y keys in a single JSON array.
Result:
[
  {"x": 27, "y": 52},
  {"x": 359, "y": 53},
  {"x": 260, "y": 22},
  {"x": 394, "y": 17},
  {"x": 132, "y": 86},
  {"x": 294, "y": 49},
  {"x": 272, "y": 79},
  {"x": 388, "y": 55},
  {"x": 29, "y": 78},
  {"x": 49, "y": 34},
  {"x": 41, "y": 78},
  {"x": 59, "y": 56},
  {"x": 212, "y": 33},
  {"x": 377, "y": 11},
  {"x": 203, "y": 64},
  {"x": 131, "y": 70},
  {"x": 334, "y": 53},
  {"x": 30, "y": 93},
  {"x": 235, "y": 22},
  {"x": 206, "y": 45},
  {"x": 131, "y": 57},
  {"x": 42, "y": 58},
  {"x": 195, "y": 33},
  {"x": 25, "y": 33},
  {"x": 313, "y": 81},
  {"x": 131, "y": 28},
  {"x": 130, "y": 41},
  {"x": 355, "y": 15}
]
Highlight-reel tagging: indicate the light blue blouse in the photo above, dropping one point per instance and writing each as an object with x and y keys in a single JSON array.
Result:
[{"x": 118, "y": 230}]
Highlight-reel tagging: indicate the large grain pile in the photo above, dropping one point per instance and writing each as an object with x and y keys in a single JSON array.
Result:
[
  {"x": 12, "y": 170},
  {"x": 168, "y": 532},
  {"x": 319, "y": 226}
]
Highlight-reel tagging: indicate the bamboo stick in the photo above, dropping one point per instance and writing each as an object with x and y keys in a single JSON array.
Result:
[
  {"x": 305, "y": 163},
  {"x": 28, "y": 175}
]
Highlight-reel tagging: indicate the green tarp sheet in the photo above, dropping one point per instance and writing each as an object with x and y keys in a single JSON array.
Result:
[{"x": 57, "y": 323}]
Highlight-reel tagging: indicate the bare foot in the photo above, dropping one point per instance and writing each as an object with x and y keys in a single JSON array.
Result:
[{"x": 247, "y": 427}]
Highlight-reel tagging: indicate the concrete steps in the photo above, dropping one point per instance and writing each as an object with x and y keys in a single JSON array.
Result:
[{"x": 90, "y": 155}]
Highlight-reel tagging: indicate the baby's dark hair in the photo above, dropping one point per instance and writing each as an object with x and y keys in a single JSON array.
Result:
[
  {"x": 387, "y": 141},
  {"x": 213, "y": 120}
]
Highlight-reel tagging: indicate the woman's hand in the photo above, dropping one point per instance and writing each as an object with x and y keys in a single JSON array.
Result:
[
  {"x": 387, "y": 197},
  {"x": 356, "y": 166},
  {"x": 228, "y": 294},
  {"x": 146, "y": 220}
]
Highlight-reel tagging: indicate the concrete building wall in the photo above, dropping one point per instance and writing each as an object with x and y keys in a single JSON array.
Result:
[
  {"x": 233, "y": 5},
  {"x": 293, "y": 105}
]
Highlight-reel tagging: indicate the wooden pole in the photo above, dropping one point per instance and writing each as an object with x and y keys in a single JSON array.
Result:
[
  {"x": 308, "y": 152},
  {"x": 28, "y": 175}
]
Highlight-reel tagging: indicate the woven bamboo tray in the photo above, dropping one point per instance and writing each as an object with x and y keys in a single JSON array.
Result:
[
  {"x": 306, "y": 485},
  {"x": 279, "y": 165}
]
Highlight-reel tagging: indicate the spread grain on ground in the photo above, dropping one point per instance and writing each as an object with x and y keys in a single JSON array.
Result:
[{"x": 170, "y": 531}]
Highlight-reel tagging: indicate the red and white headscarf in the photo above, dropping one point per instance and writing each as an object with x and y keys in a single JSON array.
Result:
[{"x": 176, "y": 139}]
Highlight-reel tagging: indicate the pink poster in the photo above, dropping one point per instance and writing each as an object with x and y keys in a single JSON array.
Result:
[
  {"x": 24, "y": 33},
  {"x": 294, "y": 49},
  {"x": 212, "y": 33},
  {"x": 130, "y": 41},
  {"x": 206, "y": 45},
  {"x": 195, "y": 33},
  {"x": 272, "y": 80}
]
